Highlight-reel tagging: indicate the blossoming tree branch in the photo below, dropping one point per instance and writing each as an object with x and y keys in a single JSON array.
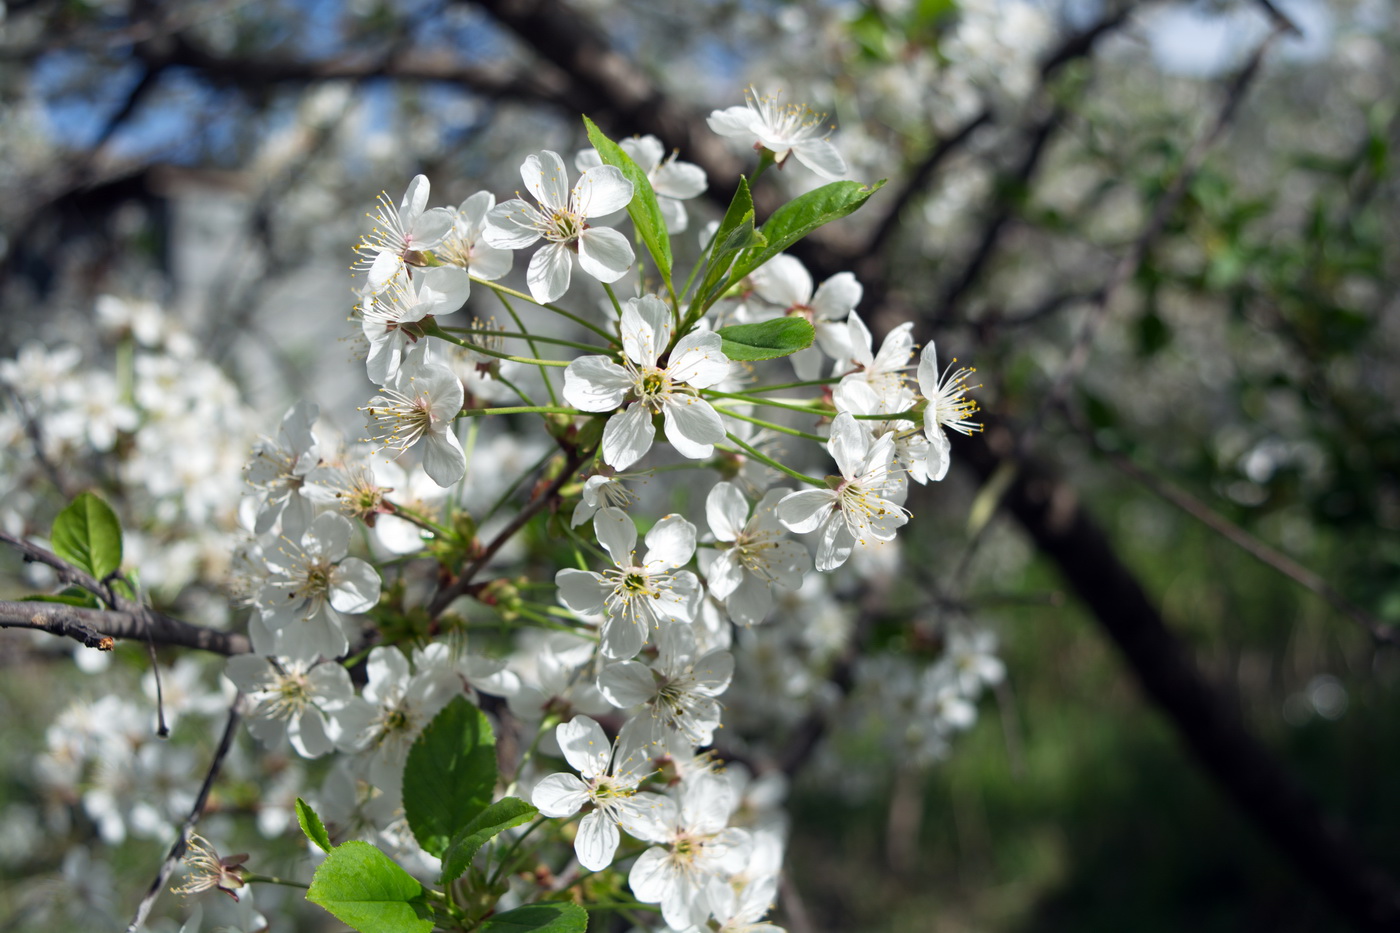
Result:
[{"x": 737, "y": 388}]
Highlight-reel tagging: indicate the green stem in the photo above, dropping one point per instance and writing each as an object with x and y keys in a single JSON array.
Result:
[
  {"x": 519, "y": 410},
  {"x": 617, "y": 305},
  {"x": 529, "y": 338},
  {"x": 530, "y": 342},
  {"x": 544, "y": 621},
  {"x": 509, "y": 853},
  {"x": 251, "y": 878},
  {"x": 805, "y": 408},
  {"x": 409, "y": 515},
  {"x": 764, "y": 458},
  {"x": 781, "y": 429},
  {"x": 795, "y": 385},
  {"x": 433, "y": 330},
  {"x": 501, "y": 289}
]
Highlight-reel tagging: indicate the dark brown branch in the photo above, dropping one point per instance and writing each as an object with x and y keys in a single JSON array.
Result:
[
  {"x": 1257, "y": 783},
  {"x": 529, "y": 510},
  {"x": 92, "y": 627},
  {"x": 1280, "y": 809},
  {"x": 128, "y": 618},
  {"x": 177, "y": 850}
]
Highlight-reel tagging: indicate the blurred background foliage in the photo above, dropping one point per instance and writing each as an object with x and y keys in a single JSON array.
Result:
[{"x": 218, "y": 157}]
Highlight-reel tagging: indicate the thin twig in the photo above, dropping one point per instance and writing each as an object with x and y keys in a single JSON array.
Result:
[
  {"x": 1382, "y": 632},
  {"x": 529, "y": 510},
  {"x": 177, "y": 850},
  {"x": 1128, "y": 265}
]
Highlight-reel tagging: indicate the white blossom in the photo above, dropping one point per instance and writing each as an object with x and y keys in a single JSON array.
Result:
[
  {"x": 608, "y": 778},
  {"x": 948, "y": 407},
  {"x": 636, "y": 597},
  {"x": 597, "y": 384},
  {"x": 854, "y": 510},
  {"x": 562, "y": 220},
  {"x": 310, "y": 579},
  {"x": 783, "y": 129},
  {"x": 402, "y": 234},
  {"x": 753, "y": 553},
  {"x": 421, "y": 402},
  {"x": 672, "y": 180}
]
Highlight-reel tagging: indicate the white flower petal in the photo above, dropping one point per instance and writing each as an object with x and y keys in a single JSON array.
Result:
[
  {"x": 601, "y": 191},
  {"x": 583, "y": 591},
  {"x": 559, "y": 795},
  {"x": 680, "y": 180},
  {"x": 616, "y": 534},
  {"x": 726, "y": 510},
  {"x": 510, "y": 225},
  {"x": 670, "y": 543},
  {"x": 627, "y": 684},
  {"x": 692, "y": 426},
  {"x": 699, "y": 360},
  {"x": 549, "y": 272},
  {"x": 645, "y": 328},
  {"x": 586, "y": 748},
  {"x": 443, "y": 458},
  {"x": 546, "y": 178},
  {"x": 804, "y": 510},
  {"x": 354, "y": 586},
  {"x": 834, "y": 544},
  {"x": 604, "y": 253},
  {"x": 627, "y": 437},
  {"x": 596, "y": 842},
  {"x": 821, "y": 156},
  {"x": 595, "y": 383}
]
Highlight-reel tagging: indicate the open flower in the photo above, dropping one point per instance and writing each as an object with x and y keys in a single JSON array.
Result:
[
  {"x": 754, "y": 553},
  {"x": 562, "y": 219},
  {"x": 402, "y": 234},
  {"x": 608, "y": 779},
  {"x": 291, "y": 697},
  {"x": 854, "y": 510},
  {"x": 948, "y": 407},
  {"x": 440, "y": 290},
  {"x": 596, "y": 383},
  {"x": 677, "y": 691},
  {"x": 636, "y": 597},
  {"x": 420, "y": 402},
  {"x": 784, "y": 130},
  {"x": 310, "y": 581}
]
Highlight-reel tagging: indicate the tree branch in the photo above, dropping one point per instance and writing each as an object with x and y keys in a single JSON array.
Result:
[{"x": 127, "y": 618}]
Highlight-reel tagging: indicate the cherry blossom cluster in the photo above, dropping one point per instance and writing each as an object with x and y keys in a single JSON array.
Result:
[{"x": 713, "y": 452}]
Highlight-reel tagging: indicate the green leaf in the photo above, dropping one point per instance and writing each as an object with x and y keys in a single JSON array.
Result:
[
  {"x": 801, "y": 216},
  {"x": 735, "y": 234},
  {"x": 313, "y": 827},
  {"x": 488, "y": 824},
  {"x": 79, "y": 598},
  {"x": 767, "y": 340},
  {"x": 88, "y": 535},
  {"x": 539, "y": 918},
  {"x": 643, "y": 209},
  {"x": 365, "y": 889},
  {"x": 450, "y": 775}
]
